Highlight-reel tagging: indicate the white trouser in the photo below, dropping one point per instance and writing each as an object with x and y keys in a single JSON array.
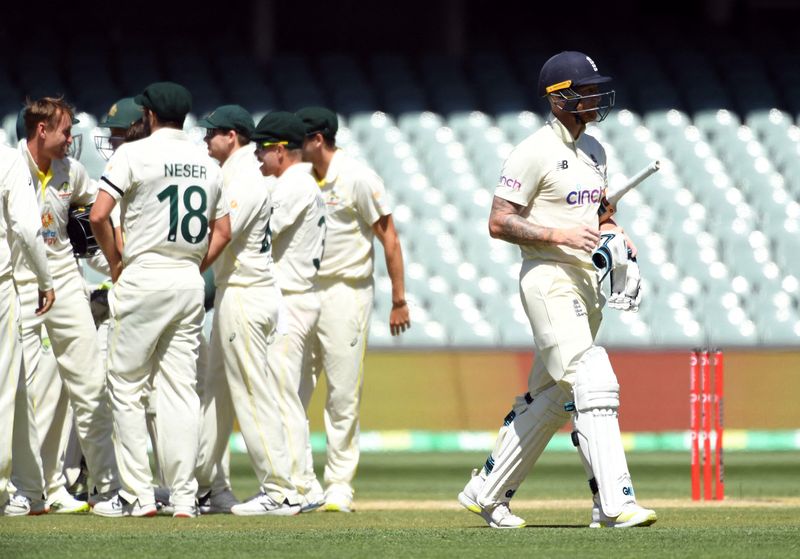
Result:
[
  {"x": 73, "y": 338},
  {"x": 156, "y": 319},
  {"x": 287, "y": 352},
  {"x": 345, "y": 311},
  {"x": 216, "y": 421},
  {"x": 10, "y": 365},
  {"x": 563, "y": 304},
  {"x": 244, "y": 321}
]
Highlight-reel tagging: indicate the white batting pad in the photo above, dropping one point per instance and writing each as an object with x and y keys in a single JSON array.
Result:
[
  {"x": 528, "y": 429},
  {"x": 596, "y": 401}
]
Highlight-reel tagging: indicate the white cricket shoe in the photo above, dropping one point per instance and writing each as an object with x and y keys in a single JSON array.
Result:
[
  {"x": 263, "y": 504},
  {"x": 185, "y": 511},
  {"x": 218, "y": 503},
  {"x": 497, "y": 516},
  {"x": 338, "y": 498},
  {"x": 61, "y": 502},
  {"x": 312, "y": 500},
  {"x": 632, "y": 515},
  {"x": 117, "y": 507},
  {"x": 20, "y": 505}
]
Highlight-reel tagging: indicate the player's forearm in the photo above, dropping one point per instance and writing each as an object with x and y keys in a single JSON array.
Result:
[
  {"x": 104, "y": 235},
  {"x": 395, "y": 268},
  {"x": 219, "y": 237},
  {"x": 516, "y": 229}
]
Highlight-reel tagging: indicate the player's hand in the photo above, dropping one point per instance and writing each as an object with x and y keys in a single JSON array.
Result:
[
  {"x": 582, "y": 238},
  {"x": 399, "y": 320},
  {"x": 628, "y": 241},
  {"x": 46, "y": 300}
]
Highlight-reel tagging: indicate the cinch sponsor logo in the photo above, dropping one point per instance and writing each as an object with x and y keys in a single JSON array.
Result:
[
  {"x": 583, "y": 197},
  {"x": 513, "y": 184}
]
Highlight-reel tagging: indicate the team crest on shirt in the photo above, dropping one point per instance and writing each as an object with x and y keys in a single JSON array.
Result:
[
  {"x": 63, "y": 190},
  {"x": 333, "y": 199}
]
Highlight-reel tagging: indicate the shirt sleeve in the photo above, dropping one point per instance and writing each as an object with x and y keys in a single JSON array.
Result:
[
  {"x": 84, "y": 189},
  {"x": 371, "y": 200},
  {"x": 25, "y": 221},
  {"x": 117, "y": 177},
  {"x": 520, "y": 178}
]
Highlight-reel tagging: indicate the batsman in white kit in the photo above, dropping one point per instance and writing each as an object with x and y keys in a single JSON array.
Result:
[
  {"x": 20, "y": 223},
  {"x": 548, "y": 202},
  {"x": 175, "y": 223}
]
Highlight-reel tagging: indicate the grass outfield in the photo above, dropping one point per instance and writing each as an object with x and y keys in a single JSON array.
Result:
[{"x": 406, "y": 508}]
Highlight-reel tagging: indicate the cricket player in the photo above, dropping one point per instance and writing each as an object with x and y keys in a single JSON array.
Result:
[
  {"x": 175, "y": 223},
  {"x": 20, "y": 223},
  {"x": 246, "y": 313},
  {"x": 357, "y": 212},
  {"x": 297, "y": 228},
  {"x": 547, "y": 202},
  {"x": 59, "y": 182}
]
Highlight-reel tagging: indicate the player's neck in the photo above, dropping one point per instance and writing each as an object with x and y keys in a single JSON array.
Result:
[
  {"x": 42, "y": 161},
  {"x": 574, "y": 124}
]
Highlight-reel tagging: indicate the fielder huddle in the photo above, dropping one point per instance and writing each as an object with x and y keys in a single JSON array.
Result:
[{"x": 287, "y": 221}]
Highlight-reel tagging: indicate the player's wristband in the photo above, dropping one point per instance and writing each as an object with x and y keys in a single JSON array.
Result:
[{"x": 399, "y": 304}]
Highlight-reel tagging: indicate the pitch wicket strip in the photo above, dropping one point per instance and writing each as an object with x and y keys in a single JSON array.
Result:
[{"x": 705, "y": 396}]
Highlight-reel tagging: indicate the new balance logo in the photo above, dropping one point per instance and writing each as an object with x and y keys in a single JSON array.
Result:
[{"x": 561, "y": 165}]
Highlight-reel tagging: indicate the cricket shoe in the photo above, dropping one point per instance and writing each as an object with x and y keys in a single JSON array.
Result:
[
  {"x": 117, "y": 507},
  {"x": 185, "y": 511},
  {"x": 631, "y": 515},
  {"x": 338, "y": 498},
  {"x": 497, "y": 516},
  {"x": 20, "y": 505},
  {"x": 163, "y": 505},
  {"x": 218, "y": 503},
  {"x": 61, "y": 502},
  {"x": 311, "y": 501},
  {"x": 263, "y": 504}
]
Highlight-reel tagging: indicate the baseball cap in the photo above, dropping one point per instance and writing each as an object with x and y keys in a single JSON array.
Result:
[
  {"x": 568, "y": 69},
  {"x": 169, "y": 100},
  {"x": 280, "y": 127},
  {"x": 229, "y": 117},
  {"x": 122, "y": 114},
  {"x": 319, "y": 120}
]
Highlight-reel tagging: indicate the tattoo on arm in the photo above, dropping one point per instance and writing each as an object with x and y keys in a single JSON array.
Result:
[{"x": 505, "y": 222}]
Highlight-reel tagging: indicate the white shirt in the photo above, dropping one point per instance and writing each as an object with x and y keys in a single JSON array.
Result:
[
  {"x": 560, "y": 182},
  {"x": 298, "y": 229},
  {"x": 247, "y": 260},
  {"x": 169, "y": 190},
  {"x": 65, "y": 184},
  {"x": 20, "y": 219},
  {"x": 355, "y": 199}
]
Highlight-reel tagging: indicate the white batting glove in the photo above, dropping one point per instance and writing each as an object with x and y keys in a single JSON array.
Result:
[
  {"x": 626, "y": 287},
  {"x": 611, "y": 253}
]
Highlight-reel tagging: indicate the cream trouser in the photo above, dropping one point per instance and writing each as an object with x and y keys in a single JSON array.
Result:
[
  {"x": 287, "y": 353},
  {"x": 156, "y": 319},
  {"x": 338, "y": 351},
  {"x": 72, "y": 336},
  {"x": 10, "y": 365}
]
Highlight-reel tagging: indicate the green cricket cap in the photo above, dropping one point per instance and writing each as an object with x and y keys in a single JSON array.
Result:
[
  {"x": 280, "y": 127},
  {"x": 122, "y": 114},
  {"x": 319, "y": 120},
  {"x": 230, "y": 117},
  {"x": 169, "y": 100}
]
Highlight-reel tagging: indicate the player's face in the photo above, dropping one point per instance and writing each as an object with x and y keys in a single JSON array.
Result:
[
  {"x": 218, "y": 144},
  {"x": 311, "y": 147},
  {"x": 58, "y": 139},
  {"x": 269, "y": 157},
  {"x": 588, "y": 104}
]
